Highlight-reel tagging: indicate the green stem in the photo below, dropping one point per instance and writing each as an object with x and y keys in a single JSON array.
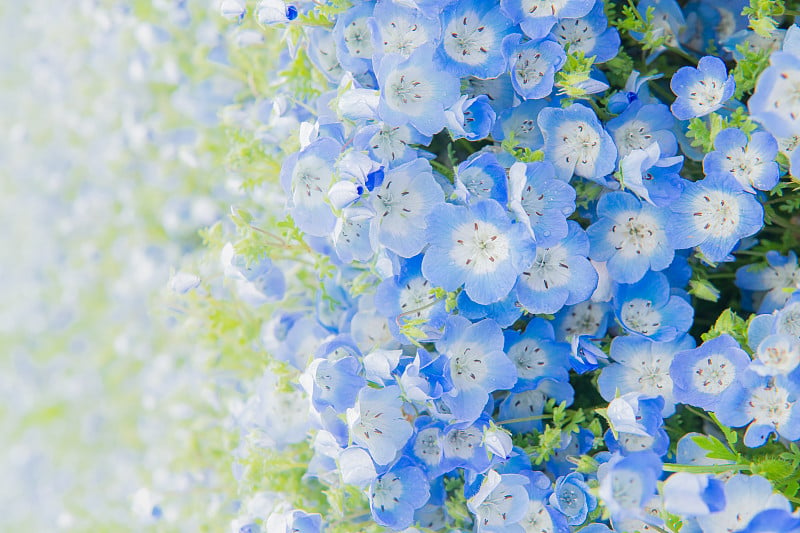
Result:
[
  {"x": 706, "y": 469},
  {"x": 701, "y": 414}
]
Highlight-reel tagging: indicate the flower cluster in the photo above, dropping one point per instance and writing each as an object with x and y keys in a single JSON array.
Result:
[{"x": 500, "y": 230}]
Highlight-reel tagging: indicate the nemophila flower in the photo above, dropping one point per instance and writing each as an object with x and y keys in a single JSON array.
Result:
[
  {"x": 354, "y": 38},
  {"x": 627, "y": 483},
  {"x": 470, "y": 118},
  {"x": 537, "y": 17},
  {"x": 464, "y": 446},
  {"x": 641, "y": 125},
  {"x": 395, "y": 495},
  {"x": 481, "y": 177},
  {"x": 477, "y": 247},
  {"x": 533, "y": 65},
  {"x": 536, "y": 354},
  {"x": 426, "y": 446},
  {"x": 377, "y": 423},
  {"x": 642, "y": 365},
  {"x": 355, "y": 236},
  {"x": 650, "y": 177},
  {"x": 472, "y": 33},
  {"x": 233, "y": 9},
  {"x": 275, "y": 12},
  {"x": 688, "y": 494},
  {"x": 635, "y": 90},
  {"x": 540, "y": 201},
  {"x": 572, "y": 497},
  {"x": 767, "y": 405},
  {"x": 540, "y": 517},
  {"x": 714, "y": 214},
  {"x": 256, "y": 283},
  {"x": 589, "y": 34},
  {"x": 519, "y": 123},
  {"x": 391, "y": 145},
  {"x": 306, "y": 177},
  {"x": 559, "y": 275},
  {"x": 400, "y": 29},
  {"x": 701, "y": 90},
  {"x": 572, "y": 446},
  {"x": 476, "y": 366},
  {"x": 586, "y": 318},
  {"x": 407, "y": 195},
  {"x": 745, "y": 497},
  {"x": 576, "y": 143},
  {"x": 702, "y": 376},
  {"x": 751, "y": 163},
  {"x": 648, "y": 308},
  {"x": 630, "y": 236},
  {"x": 773, "y": 521},
  {"x": 300, "y": 343},
  {"x": 775, "y": 103},
  {"x": 500, "y": 502},
  {"x": 334, "y": 377},
  {"x": 407, "y": 296},
  {"x": 414, "y": 93},
  {"x": 528, "y": 404},
  {"x": 776, "y": 280}
]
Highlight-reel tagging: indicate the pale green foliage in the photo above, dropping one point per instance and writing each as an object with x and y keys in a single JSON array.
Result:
[{"x": 762, "y": 14}]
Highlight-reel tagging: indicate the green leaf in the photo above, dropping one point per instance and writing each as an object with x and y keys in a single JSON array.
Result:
[{"x": 703, "y": 289}]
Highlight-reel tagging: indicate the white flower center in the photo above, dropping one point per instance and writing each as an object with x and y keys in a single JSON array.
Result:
[
  {"x": 717, "y": 213},
  {"x": 357, "y": 39},
  {"x": 583, "y": 319},
  {"x": 549, "y": 269},
  {"x": 415, "y": 298},
  {"x": 467, "y": 369},
  {"x": 634, "y": 135},
  {"x": 576, "y": 34},
  {"x": 579, "y": 146},
  {"x": 530, "y": 67},
  {"x": 639, "y": 315},
  {"x": 461, "y": 443},
  {"x": 789, "y": 320},
  {"x": 407, "y": 91},
  {"x": 390, "y": 142},
  {"x": 403, "y": 36},
  {"x": 571, "y": 499},
  {"x": 626, "y": 488},
  {"x": 529, "y": 400},
  {"x": 427, "y": 446},
  {"x": 480, "y": 246},
  {"x": 779, "y": 353},
  {"x": 770, "y": 405},
  {"x": 477, "y": 182},
  {"x": 310, "y": 179},
  {"x": 495, "y": 508},
  {"x": 706, "y": 94},
  {"x": 636, "y": 234},
  {"x": 529, "y": 358},
  {"x": 537, "y": 519},
  {"x": 785, "y": 94},
  {"x": 387, "y": 492},
  {"x": 654, "y": 376},
  {"x": 467, "y": 40},
  {"x": 635, "y": 443},
  {"x": 713, "y": 374}
]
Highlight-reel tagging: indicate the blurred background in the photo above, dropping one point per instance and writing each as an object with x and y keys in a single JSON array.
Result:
[{"x": 107, "y": 109}]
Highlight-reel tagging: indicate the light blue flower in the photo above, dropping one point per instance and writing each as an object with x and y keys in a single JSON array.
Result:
[
  {"x": 745, "y": 497},
  {"x": 589, "y": 34},
  {"x": 751, "y": 163},
  {"x": 775, "y": 281},
  {"x": 395, "y": 495},
  {"x": 477, "y": 247},
  {"x": 687, "y": 494},
  {"x": 537, "y": 17},
  {"x": 774, "y": 103},
  {"x": 533, "y": 65},
  {"x": 576, "y": 143},
  {"x": 378, "y": 424},
  {"x": 573, "y": 498},
  {"x": 701, "y": 90},
  {"x": 649, "y": 308},
  {"x": 500, "y": 502},
  {"x": 400, "y": 29},
  {"x": 627, "y": 483},
  {"x": 641, "y": 125}
]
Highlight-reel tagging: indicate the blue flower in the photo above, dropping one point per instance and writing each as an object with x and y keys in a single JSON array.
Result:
[
  {"x": 477, "y": 247},
  {"x": 668, "y": 23},
  {"x": 652, "y": 178},
  {"x": 536, "y": 354},
  {"x": 520, "y": 122},
  {"x": 628, "y": 482},
  {"x": 306, "y": 177},
  {"x": 714, "y": 214},
  {"x": 505, "y": 312},
  {"x": 481, "y": 177},
  {"x": 745, "y": 497},
  {"x": 573, "y": 498},
  {"x": 641, "y": 125},
  {"x": 414, "y": 93},
  {"x": 398, "y": 29},
  {"x": 395, "y": 495},
  {"x": 630, "y": 236},
  {"x": 530, "y": 404},
  {"x": 768, "y": 406},
  {"x": 472, "y": 33},
  {"x": 586, "y": 318},
  {"x": 774, "y": 104},
  {"x": 540, "y": 201},
  {"x": 497, "y": 90},
  {"x": 751, "y": 163},
  {"x": 336, "y": 375},
  {"x": 500, "y": 502},
  {"x": 408, "y": 194},
  {"x": 776, "y": 280},
  {"x": 354, "y": 38},
  {"x": 642, "y": 365},
  {"x": 776, "y": 355},
  {"x": 464, "y": 447},
  {"x": 649, "y": 309},
  {"x": 559, "y": 275},
  {"x": 576, "y": 143},
  {"x": 701, "y": 90},
  {"x": 294, "y": 521},
  {"x": 589, "y": 34},
  {"x": 476, "y": 366},
  {"x": 471, "y": 118},
  {"x": 533, "y": 65},
  {"x": 377, "y": 423},
  {"x": 391, "y": 145},
  {"x": 702, "y": 376},
  {"x": 537, "y": 17},
  {"x": 773, "y": 521}
]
